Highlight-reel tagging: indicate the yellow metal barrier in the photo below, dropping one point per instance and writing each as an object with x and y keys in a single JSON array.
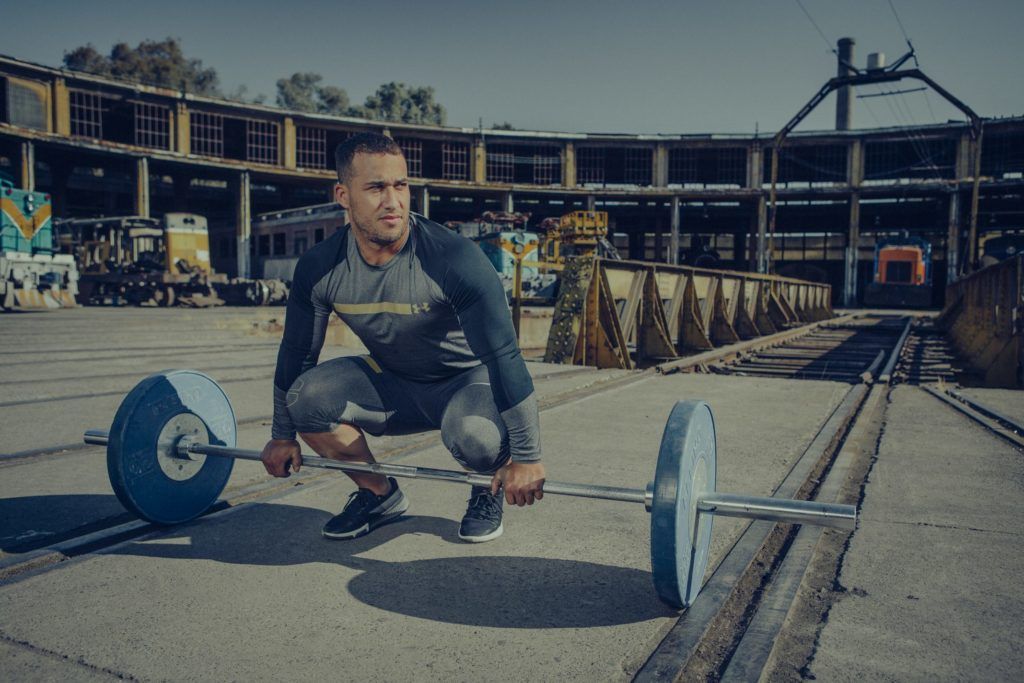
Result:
[
  {"x": 984, "y": 318},
  {"x": 627, "y": 314}
]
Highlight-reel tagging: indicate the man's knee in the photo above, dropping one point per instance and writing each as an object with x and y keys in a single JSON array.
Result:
[
  {"x": 478, "y": 443},
  {"x": 329, "y": 395}
]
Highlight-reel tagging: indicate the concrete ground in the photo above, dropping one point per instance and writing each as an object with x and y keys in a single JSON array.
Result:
[
  {"x": 255, "y": 592},
  {"x": 933, "y": 571},
  {"x": 1006, "y": 402}
]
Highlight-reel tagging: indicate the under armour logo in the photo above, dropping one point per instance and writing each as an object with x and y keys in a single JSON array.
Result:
[{"x": 420, "y": 308}]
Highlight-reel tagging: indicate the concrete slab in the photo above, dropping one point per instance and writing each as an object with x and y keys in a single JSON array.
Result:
[
  {"x": 566, "y": 591},
  {"x": 1008, "y": 402},
  {"x": 933, "y": 570}
]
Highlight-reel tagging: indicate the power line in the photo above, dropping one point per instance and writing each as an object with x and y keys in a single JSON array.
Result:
[
  {"x": 816, "y": 27},
  {"x": 898, "y": 21}
]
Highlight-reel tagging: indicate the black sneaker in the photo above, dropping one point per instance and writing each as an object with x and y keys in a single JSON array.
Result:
[
  {"x": 482, "y": 521},
  {"x": 365, "y": 511}
]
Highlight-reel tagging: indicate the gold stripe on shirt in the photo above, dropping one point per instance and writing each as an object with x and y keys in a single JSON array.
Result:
[{"x": 376, "y": 307}]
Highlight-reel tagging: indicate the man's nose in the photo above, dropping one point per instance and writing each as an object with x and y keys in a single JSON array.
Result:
[{"x": 391, "y": 198}]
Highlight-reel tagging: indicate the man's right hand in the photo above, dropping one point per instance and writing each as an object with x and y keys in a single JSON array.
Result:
[{"x": 280, "y": 454}]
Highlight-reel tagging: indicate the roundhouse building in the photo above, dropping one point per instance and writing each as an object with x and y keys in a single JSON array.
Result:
[{"x": 105, "y": 147}]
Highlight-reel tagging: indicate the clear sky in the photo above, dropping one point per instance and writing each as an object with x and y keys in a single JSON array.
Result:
[{"x": 600, "y": 66}]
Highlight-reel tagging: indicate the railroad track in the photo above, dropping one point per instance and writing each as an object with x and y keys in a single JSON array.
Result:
[
  {"x": 851, "y": 352},
  {"x": 928, "y": 356}
]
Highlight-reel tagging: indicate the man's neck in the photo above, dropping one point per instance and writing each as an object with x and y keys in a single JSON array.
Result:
[{"x": 379, "y": 254}]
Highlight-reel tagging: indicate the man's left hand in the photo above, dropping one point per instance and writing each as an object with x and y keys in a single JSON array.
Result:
[{"x": 523, "y": 482}]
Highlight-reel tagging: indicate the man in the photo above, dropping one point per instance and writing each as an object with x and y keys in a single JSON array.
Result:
[{"x": 443, "y": 352}]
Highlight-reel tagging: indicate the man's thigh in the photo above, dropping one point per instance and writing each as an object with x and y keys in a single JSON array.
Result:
[
  {"x": 471, "y": 426},
  {"x": 355, "y": 391}
]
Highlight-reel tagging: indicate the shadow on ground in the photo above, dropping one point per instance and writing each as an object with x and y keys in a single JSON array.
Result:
[
  {"x": 33, "y": 522},
  {"x": 502, "y": 592}
]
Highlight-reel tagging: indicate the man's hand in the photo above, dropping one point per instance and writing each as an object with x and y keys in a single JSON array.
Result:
[
  {"x": 279, "y": 454},
  {"x": 523, "y": 482}
]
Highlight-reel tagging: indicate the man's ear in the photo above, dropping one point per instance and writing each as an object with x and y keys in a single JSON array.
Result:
[{"x": 341, "y": 195}]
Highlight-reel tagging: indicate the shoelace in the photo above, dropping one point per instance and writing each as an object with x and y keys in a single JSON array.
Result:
[
  {"x": 485, "y": 506},
  {"x": 360, "y": 499}
]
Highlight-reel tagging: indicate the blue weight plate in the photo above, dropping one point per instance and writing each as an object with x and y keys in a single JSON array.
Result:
[
  {"x": 139, "y": 479},
  {"x": 680, "y": 538}
]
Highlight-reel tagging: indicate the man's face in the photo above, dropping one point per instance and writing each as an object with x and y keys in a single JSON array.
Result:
[{"x": 376, "y": 195}]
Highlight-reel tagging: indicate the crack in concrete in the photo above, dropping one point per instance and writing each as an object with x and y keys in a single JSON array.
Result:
[
  {"x": 954, "y": 527},
  {"x": 80, "y": 661}
]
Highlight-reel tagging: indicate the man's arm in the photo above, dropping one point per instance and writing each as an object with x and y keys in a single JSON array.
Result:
[
  {"x": 474, "y": 290},
  {"x": 304, "y": 328}
]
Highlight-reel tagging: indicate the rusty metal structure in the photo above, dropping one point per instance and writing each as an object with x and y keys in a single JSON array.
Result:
[
  {"x": 984, "y": 318},
  {"x": 630, "y": 314}
]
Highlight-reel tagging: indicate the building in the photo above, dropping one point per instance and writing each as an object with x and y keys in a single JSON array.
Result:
[{"x": 104, "y": 147}]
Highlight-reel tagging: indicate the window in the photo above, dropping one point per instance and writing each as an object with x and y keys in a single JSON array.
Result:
[
  {"x": 152, "y": 125},
  {"x": 638, "y": 166},
  {"x": 261, "y": 141},
  {"x": 86, "y": 114},
  {"x": 708, "y": 166},
  {"x": 318, "y": 235},
  {"x": 413, "y": 151},
  {"x": 300, "y": 245},
  {"x": 501, "y": 163},
  {"x": 279, "y": 249},
  {"x": 263, "y": 248},
  {"x": 590, "y": 165},
  {"x": 454, "y": 161},
  {"x": 206, "y": 132},
  {"x": 310, "y": 147},
  {"x": 24, "y": 103}
]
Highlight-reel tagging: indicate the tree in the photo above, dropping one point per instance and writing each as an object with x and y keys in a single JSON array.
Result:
[
  {"x": 302, "y": 92},
  {"x": 160, "y": 63},
  {"x": 502, "y": 126},
  {"x": 407, "y": 104}
]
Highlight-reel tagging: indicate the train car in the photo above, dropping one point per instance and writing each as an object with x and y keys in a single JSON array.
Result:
[
  {"x": 32, "y": 273},
  {"x": 902, "y": 274}
]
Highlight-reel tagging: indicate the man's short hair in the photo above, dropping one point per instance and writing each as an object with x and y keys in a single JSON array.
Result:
[{"x": 367, "y": 143}]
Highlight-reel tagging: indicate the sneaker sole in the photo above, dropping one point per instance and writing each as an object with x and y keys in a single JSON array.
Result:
[
  {"x": 391, "y": 516},
  {"x": 486, "y": 537}
]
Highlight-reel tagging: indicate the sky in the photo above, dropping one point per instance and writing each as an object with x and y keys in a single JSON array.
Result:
[{"x": 645, "y": 66}]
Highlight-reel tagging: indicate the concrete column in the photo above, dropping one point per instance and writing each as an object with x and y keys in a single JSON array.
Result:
[
  {"x": 844, "y": 95},
  {"x": 182, "y": 128},
  {"x": 287, "y": 146},
  {"x": 755, "y": 166},
  {"x": 141, "y": 200},
  {"x": 243, "y": 223},
  {"x": 659, "y": 230},
  {"x": 591, "y": 203},
  {"x": 852, "y": 252},
  {"x": 963, "y": 157},
  {"x": 569, "y": 164},
  {"x": 61, "y": 107},
  {"x": 507, "y": 202},
  {"x": 760, "y": 221},
  {"x": 854, "y": 176},
  {"x": 478, "y": 169},
  {"x": 28, "y": 167},
  {"x": 673, "y": 236},
  {"x": 423, "y": 201},
  {"x": 659, "y": 174},
  {"x": 953, "y": 238}
]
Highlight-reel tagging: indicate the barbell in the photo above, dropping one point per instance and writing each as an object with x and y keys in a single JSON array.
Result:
[{"x": 171, "y": 448}]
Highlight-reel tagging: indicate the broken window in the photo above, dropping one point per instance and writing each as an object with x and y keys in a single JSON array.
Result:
[
  {"x": 911, "y": 158},
  {"x": 590, "y": 165},
  {"x": 261, "y": 141},
  {"x": 454, "y": 161},
  {"x": 86, "y": 114},
  {"x": 808, "y": 164},
  {"x": 413, "y": 151},
  {"x": 206, "y": 132},
  {"x": 23, "y": 103},
  {"x": 707, "y": 166},
  {"x": 501, "y": 163},
  {"x": 152, "y": 125},
  {"x": 637, "y": 165},
  {"x": 310, "y": 147}
]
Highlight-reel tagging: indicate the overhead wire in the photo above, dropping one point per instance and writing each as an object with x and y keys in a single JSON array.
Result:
[{"x": 816, "y": 27}]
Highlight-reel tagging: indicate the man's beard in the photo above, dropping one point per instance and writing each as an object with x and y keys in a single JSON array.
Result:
[{"x": 376, "y": 236}]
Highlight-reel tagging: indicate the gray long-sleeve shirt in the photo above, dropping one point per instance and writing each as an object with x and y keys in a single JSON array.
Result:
[{"x": 434, "y": 310}]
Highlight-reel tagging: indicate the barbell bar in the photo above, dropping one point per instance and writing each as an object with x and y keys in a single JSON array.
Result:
[{"x": 170, "y": 422}]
